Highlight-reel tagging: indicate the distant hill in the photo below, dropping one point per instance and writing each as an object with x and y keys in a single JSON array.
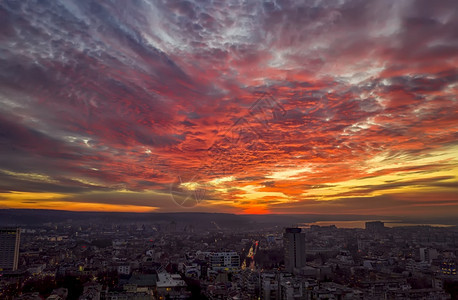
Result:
[{"x": 30, "y": 217}]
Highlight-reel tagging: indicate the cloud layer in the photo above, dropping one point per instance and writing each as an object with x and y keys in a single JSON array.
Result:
[{"x": 275, "y": 106}]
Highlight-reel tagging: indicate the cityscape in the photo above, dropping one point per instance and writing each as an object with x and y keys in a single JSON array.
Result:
[
  {"x": 191, "y": 256},
  {"x": 228, "y": 149}
]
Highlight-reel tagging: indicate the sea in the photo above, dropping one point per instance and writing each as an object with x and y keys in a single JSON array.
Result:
[{"x": 362, "y": 224}]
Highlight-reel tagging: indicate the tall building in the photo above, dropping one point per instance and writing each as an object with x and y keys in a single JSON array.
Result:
[
  {"x": 269, "y": 286},
  {"x": 9, "y": 248},
  {"x": 428, "y": 254},
  {"x": 294, "y": 244},
  {"x": 375, "y": 226}
]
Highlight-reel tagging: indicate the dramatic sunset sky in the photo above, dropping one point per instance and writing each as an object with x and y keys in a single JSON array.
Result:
[{"x": 334, "y": 107}]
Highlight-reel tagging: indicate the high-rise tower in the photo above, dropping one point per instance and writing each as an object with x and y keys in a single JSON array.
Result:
[
  {"x": 9, "y": 248},
  {"x": 294, "y": 244}
]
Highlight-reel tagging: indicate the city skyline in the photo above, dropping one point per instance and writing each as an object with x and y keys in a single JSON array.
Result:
[{"x": 330, "y": 107}]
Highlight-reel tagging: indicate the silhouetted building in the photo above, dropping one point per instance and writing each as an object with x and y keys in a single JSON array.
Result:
[
  {"x": 294, "y": 243},
  {"x": 375, "y": 226},
  {"x": 9, "y": 248},
  {"x": 269, "y": 286},
  {"x": 428, "y": 254}
]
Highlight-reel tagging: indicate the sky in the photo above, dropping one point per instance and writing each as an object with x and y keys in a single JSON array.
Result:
[{"x": 247, "y": 107}]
